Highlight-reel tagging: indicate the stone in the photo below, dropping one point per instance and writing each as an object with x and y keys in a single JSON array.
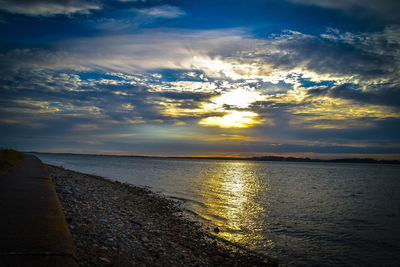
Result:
[{"x": 104, "y": 259}]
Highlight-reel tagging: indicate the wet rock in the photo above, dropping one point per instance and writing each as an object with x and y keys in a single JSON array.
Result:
[
  {"x": 217, "y": 259},
  {"x": 136, "y": 226},
  {"x": 144, "y": 239},
  {"x": 104, "y": 260}
]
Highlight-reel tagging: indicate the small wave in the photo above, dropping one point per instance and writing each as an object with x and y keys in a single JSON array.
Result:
[
  {"x": 357, "y": 221},
  {"x": 196, "y": 215},
  {"x": 234, "y": 231},
  {"x": 184, "y": 200},
  {"x": 217, "y": 217}
]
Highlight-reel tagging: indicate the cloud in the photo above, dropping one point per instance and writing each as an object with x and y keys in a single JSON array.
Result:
[
  {"x": 143, "y": 1},
  {"x": 219, "y": 60},
  {"x": 149, "y": 50},
  {"x": 194, "y": 96},
  {"x": 38, "y": 95},
  {"x": 165, "y": 11},
  {"x": 139, "y": 17},
  {"x": 290, "y": 85},
  {"x": 387, "y": 10},
  {"x": 49, "y": 7},
  {"x": 337, "y": 59},
  {"x": 386, "y": 95}
]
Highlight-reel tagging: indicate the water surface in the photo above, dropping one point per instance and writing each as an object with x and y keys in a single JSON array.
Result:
[{"x": 324, "y": 214}]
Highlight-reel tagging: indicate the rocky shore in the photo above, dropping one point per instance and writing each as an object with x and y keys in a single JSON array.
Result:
[{"x": 115, "y": 224}]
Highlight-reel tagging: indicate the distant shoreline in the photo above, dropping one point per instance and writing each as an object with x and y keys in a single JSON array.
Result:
[{"x": 260, "y": 158}]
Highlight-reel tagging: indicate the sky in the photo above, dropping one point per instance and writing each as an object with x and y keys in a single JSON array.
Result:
[{"x": 306, "y": 78}]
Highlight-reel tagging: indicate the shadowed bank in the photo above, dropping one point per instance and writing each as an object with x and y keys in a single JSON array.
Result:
[{"x": 33, "y": 226}]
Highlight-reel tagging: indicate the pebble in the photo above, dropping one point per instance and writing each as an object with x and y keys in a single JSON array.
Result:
[{"x": 105, "y": 260}]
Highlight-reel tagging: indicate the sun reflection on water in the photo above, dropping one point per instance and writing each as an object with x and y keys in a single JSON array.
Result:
[{"x": 232, "y": 194}]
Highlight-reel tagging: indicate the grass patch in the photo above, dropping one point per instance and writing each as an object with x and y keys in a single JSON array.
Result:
[{"x": 9, "y": 158}]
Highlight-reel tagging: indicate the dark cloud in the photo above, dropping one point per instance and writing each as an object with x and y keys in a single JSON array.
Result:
[
  {"x": 385, "y": 10},
  {"x": 384, "y": 132},
  {"x": 49, "y": 7},
  {"x": 336, "y": 57},
  {"x": 323, "y": 149},
  {"x": 194, "y": 96},
  {"x": 386, "y": 95},
  {"x": 51, "y": 96}
]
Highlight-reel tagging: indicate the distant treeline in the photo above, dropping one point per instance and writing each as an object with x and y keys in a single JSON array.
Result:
[
  {"x": 294, "y": 159},
  {"x": 345, "y": 160}
]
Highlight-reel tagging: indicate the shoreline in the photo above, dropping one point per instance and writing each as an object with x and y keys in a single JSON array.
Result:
[{"x": 117, "y": 224}]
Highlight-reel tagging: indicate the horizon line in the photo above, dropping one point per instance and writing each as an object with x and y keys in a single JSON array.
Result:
[{"x": 229, "y": 157}]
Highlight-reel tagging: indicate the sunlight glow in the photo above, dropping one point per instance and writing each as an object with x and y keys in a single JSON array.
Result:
[
  {"x": 238, "y": 98},
  {"x": 231, "y": 204},
  {"x": 223, "y": 68},
  {"x": 235, "y": 119},
  {"x": 241, "y": 98}
]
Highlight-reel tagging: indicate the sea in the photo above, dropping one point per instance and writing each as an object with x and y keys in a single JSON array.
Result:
[{"x": 303, "y": 214}]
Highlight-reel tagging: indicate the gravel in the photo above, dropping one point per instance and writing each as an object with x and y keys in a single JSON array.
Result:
[{"x": 116, "y": 224}]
